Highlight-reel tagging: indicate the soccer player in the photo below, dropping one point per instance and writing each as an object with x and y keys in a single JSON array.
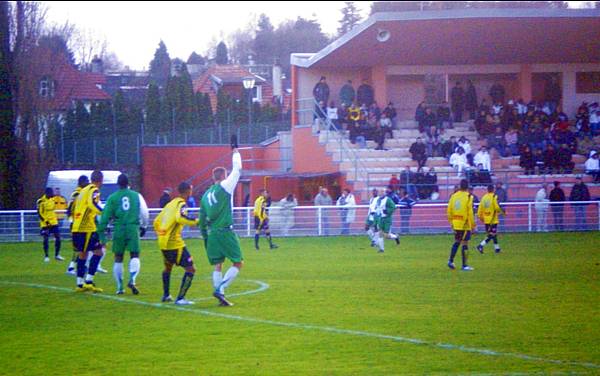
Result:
[
  {"x": 129, "y": 213},
  {"x": 49, "y": 223},
  {"x": 370, "y": 224},
  {"x": 488, "y": 212},
  {"x": 261, "y": 219},
  {"x": 216, "y": 225},
  {"x": 385, "y": 209},
  {"x": 60, "y": 203},
  {"x": 461, "y": 218},
  {"x": 82, "y": 182},
  {"x": 168, "y": 226},
  {"x": 85, "y": 237}
]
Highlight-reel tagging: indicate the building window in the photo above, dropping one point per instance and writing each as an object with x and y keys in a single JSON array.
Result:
[
  {"x": 46, "y": 87},
  {"x": 257, "y": 94},
  {"x": 587, "y": 82}
]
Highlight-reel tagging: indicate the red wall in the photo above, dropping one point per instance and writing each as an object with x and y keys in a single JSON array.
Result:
[{"x": 308, "y": 154}]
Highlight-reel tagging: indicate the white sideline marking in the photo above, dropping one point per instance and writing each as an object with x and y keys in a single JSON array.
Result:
[{"x": 264, "y": 286}]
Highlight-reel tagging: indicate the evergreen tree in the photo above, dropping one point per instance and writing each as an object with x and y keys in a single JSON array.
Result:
[
  {"x": 350, "y": 18},
  {"x": 101, "y": 119},
  {"x": 120, "y": 114},
  {"x": 210, "y": 117},
  {"x": 222, "y": 57},
  {"x": 264, "y": 42},
  {"x": 154, "y": 113},
  {"x": 160, "y": 66},
  {"x": 82, "y": 127},
  {"x": 9, "y": 158},
  {"x": 57, "y": 45},
  {"x": 222, "y": 113}
]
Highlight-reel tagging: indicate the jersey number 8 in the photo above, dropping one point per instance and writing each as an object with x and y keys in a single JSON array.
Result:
[{"x": 125, "y": 203}]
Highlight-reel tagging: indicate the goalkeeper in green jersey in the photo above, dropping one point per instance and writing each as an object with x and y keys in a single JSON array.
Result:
[
  {"x": 216, "y": 225},
  {"x": 128, "y": 212}
]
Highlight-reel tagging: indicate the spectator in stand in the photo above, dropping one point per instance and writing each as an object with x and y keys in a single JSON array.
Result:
[
  {"x": 332, "y": 115},
  {"x": 394, "y": 183},
  {"x": 497, "y": 109},
  {"x": 407, "y": 181},
  {"x": 406, "y": 203},
  {"x": 430, "y": 181},
  {"x": 484, "y": 106},
  {"x": 564, "y": 158},
  {"x": 527, "y": 161},
  {"x": 165, "y": 198},
  {"x": 464, "y": 143},
  {"x": 390, "y": 113},
  {"x": 540, "y": 163},
  {"x": 580, "y": 192},
  {"x": 375, "y": 111},
  {"x": 420, "y": 113},
  {"x": 536, "y": 135},
  {"x": 448, "y": 147},
  {"x": 321, "y": 91},
  {"x": 343, "y": 117},
  {"x": 347, "y": 93},
  {"x": 483, "y": 158},
  {"x": 582, "y": 119},
  {"x": 497, "y": 93},
  {"x": 541, "y": 208},
  {"x": 365, "y": 94},
  {"x": 433, "y": 142},
  {"x": 592, "y": 166},
  {"x": 444, "y": 116},
  {"x": 471, "y": 100},
  {"x": 586, "y": 146},
  {"x": 324, "y": 199},
  {"x": 498, "y": 142},
  {"x": 419, "y": 153},
  {"x": 427, "y": 121},
  {"x": 457, "y": 96},
  {"x": 594, "y": 119},
  {"x": 347, "y": 215},
  {"x": 354, "y": 118},
  {"x": 458, "y": 160},
  {"x": 386, "y": 125},
  {"x": 557, "y": 195},
  {"x": 379, "y": 135},
  {"x": 521, "y": 108},
  {"x": 552, "y": 93},
  {"x": 511, "y": 140},
  {"x": 550, "y": 162}
]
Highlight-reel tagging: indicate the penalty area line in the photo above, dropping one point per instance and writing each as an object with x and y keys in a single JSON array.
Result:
[{"x": 328, "y": 329}]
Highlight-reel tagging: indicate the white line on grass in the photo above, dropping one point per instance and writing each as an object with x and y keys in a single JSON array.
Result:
[{"x": 264, "y": 286}]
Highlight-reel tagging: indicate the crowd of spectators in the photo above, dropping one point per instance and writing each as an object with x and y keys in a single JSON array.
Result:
[
  {"x": 419, "y": 185},
  {"x": 358, "y": 113}
]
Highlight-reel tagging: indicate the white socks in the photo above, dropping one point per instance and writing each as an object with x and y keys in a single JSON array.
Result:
[
  {"x": 134, "y": 269},
  {"x": 370, "y": 233},
  {"x": 217, "y": 280},
  {"x": 393, "y": 236},
  {"x": 229, "y": 277},
  {"x": 497, "y": 246},
  {"x": 118, "y": 274},
  {"x": 380, "y": 243}
]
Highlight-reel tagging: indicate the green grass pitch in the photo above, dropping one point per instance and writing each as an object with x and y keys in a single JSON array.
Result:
[{"x": 333, "y": 306}]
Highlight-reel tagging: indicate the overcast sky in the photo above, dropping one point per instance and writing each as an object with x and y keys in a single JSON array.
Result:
[{"x": 133, "y": 29}]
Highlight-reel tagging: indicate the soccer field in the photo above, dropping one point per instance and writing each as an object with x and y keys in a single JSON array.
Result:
[{"x": 317, "y": 306}]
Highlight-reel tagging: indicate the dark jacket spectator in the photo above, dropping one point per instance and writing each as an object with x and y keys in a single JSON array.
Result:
[
  {"x": 527, "y": 161},
  {"x": 457, "y": 97},
  {"x": 321, "y": 91},
  {"x": 420, "y": 112},
  {"x": 347, "y": 93},
  {"x": 165, "y": 198},
  {"x": 563, "y": 158},
  {"x": 390, "y": 111},
  {"x": 448, "y": 147},
  {"x": 497, "y": 93},
  {"x": 443, "y": 114},
  {"x": 427, "y": 121},
  {"x": 579, "y": 192},
  {"x": 365, "y": 94},
  {"x": 557, "y": 194},
  {"x": 419, "y": 152},
  {"x": 550, "y": 163},
  {"x": 471, "y": 100}
]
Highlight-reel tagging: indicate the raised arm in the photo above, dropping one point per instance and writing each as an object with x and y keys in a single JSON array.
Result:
[{"x": 234, "y": 176}]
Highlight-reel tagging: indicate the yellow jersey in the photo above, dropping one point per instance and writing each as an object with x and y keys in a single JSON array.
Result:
[
  {"x": 489, "y": 209},
  {"x": 71, "y": 207},
  {"x": 169, "y": 224},
  {"x": 60, "y": 203},
  {"x": 86, "y": 208},
  {"x": 45, "y": 208},
  {"x": 460, "y": 211},
  {"x": 260, "y": 208}
]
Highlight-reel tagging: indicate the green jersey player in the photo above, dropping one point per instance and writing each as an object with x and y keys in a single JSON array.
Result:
[
  {"x": 216, "y": 225},
  {"x": 385, "y": 209},
  {"x": 128, "y": 212}
]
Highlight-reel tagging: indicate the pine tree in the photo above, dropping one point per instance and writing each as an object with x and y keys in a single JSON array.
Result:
[
  {"x": 264, "y": 42},
  {"x": 154, "y": 116},
  {"x": 210, "y": 117},
  {"x": 82, "y": 128},
  {"x": 101, "y": 119},
  {"x": 160, "y": 66},
  {"x": 223, "y": 108},
  {"x": 222, "y": 57},
  {"x": 350, "y": 18}
]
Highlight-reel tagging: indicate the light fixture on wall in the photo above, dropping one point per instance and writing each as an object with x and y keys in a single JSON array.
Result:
[{"x": 383, "y": 35}]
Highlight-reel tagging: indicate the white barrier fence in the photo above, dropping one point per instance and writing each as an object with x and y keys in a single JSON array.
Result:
[{"x": 23, "y": 225}]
